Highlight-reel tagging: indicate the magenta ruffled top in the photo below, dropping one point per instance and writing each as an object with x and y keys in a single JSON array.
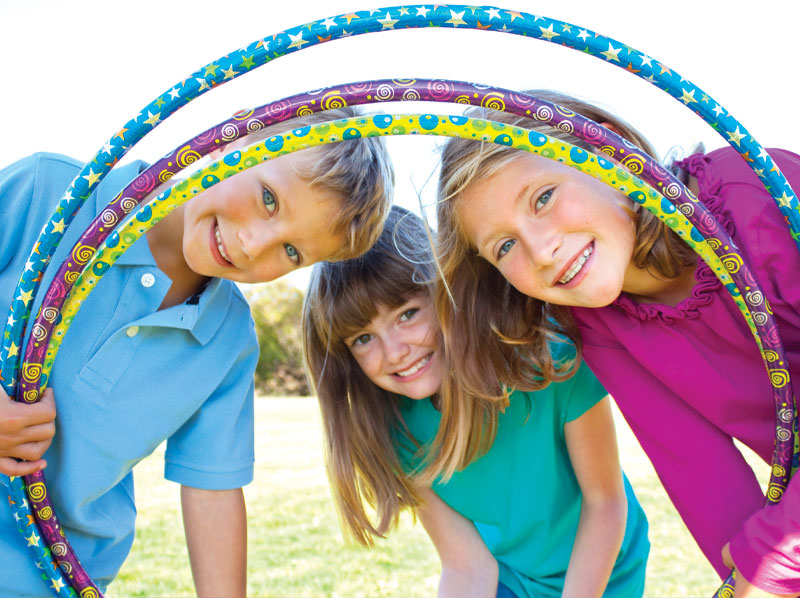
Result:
[{"x": 689, "y": 379}]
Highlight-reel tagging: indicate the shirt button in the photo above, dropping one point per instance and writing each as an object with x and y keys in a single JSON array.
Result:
[
  {"x": 132, "y": 331},
  {"x": 148, "y": 280}
]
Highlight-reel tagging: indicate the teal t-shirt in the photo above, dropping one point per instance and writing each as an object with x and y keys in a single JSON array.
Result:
[{"x": 523, "y": 496}]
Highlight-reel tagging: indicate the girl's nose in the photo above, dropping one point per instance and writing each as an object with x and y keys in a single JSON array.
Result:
[
  {"x": 542, "y": 243},
  {"x": 395, "y": 349}
]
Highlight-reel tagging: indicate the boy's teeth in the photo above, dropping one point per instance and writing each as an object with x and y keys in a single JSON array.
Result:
[
  {"x": 576, "y": 267},
  {"x": 219, "y": 244},
  {"x": 414, "y": 368}
]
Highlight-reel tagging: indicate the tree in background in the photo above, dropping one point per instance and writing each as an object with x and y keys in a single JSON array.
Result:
[{"x": 277, "y": 307}]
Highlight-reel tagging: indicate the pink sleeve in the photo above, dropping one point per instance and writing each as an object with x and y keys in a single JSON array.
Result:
[
  {"x": 767, "y": 549},
  {"x": 705, "y": 475}
]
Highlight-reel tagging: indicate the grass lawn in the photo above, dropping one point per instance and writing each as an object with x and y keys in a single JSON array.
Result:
[{"x": 295, "y": 546}]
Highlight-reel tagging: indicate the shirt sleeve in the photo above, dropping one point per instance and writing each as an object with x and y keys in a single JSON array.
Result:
[
  {"x": 29, "y": 190},
  {"x": 706, "y": 477},
  {"x": 585, "y": 391},
  {"x": 16, "y": 192},
  {"x": 214, "y": 449},
  {"x": 767, "y": 548}
]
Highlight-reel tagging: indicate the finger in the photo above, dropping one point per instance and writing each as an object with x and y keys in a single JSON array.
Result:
[
  {"x": 38, "y": 433},
  {"x": 14, "y": 437},
  {"x": 31, "y": 414},
  {"x": 12, "y": 467},
  {"x": 48, "y": 402},
  {"x": 30, "y": 451}
]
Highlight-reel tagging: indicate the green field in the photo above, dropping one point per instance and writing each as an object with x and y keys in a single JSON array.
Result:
[{"x": 295, "y": 546}]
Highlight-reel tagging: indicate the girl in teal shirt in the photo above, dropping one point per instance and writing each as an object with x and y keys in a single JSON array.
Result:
[{"x": 541, "y": 508}]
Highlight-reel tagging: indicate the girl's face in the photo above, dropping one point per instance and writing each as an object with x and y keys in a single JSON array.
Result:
[
  {"x": 555, "y": 233},
  {"x": 398, "y": 349}
]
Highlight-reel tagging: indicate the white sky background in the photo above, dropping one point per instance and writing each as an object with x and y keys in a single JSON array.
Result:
[{"x": 75, "y": 71}]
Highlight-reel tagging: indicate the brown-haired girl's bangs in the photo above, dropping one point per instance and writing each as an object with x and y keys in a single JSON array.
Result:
[{"x": 363, "y": 287}]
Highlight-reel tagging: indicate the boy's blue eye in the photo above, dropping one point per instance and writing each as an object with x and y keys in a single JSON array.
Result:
[
  {"x": 505, "y": 248},
  {"x": 292, "y": 252},
  {"x": 269, "y": 200},
  {"x": 543, "y": 199}
]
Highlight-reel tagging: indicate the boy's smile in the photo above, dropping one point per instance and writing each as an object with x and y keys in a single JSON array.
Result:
[{"x": 253, "y": 227}]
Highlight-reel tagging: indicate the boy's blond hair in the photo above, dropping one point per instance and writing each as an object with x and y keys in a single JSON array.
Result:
[{"x": 357, "y": 170}]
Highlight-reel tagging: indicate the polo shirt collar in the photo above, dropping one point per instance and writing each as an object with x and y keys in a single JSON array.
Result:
[
  {"x": 202, "y": 318},
  {"x": 206, "y": 316}
]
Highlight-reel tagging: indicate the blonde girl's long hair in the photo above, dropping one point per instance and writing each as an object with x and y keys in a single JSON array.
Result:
[
  {"x": 494, "y": 336},
  {"x": 362, "y": 424}
]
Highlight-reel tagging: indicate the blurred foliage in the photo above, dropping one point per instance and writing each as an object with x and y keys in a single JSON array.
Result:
[{"x": 277, "y": 307}]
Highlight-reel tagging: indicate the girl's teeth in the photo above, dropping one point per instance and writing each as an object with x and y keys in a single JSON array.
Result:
[
  {"x": 219, "y": 244},
  {"x": 576, "y": 267},
  {"x": 415, "y": 368}
]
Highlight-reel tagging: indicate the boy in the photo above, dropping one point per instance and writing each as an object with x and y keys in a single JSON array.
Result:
[{"x": 164, "y": 348}]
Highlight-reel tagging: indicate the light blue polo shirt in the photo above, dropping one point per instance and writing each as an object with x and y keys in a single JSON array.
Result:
[
  {"x": 523, "y": 496},
  {"x": 126, "y": 378}
]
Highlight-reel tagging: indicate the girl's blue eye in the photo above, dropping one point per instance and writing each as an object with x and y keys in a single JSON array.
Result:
[
  {"x": 543, "y": 199},
  {"x": 408, "y": 314},
  {"x": 505, "y": 248},
  {"x": 269, "y": 200},
  {"x": 292, "y": 253}
]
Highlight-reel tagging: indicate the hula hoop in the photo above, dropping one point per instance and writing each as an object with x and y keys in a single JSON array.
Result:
[
  {"x": 140, "y": 221},
  {"x": 262, "y": 51},
  {"x": 293, "y": 39},
  {"x": 633, "y": 158}
]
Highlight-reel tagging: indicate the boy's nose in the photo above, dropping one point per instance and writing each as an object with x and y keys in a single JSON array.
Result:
[{"x": 255, "y": 239}]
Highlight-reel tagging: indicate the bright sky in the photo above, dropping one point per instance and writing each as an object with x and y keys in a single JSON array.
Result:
[{"x": 76, "y": 71}]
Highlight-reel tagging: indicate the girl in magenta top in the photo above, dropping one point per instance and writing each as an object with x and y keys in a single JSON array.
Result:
[{"x": 522, "y": 236}]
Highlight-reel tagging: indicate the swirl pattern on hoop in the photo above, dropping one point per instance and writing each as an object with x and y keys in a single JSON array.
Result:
[{"x": 452, "y": 16}]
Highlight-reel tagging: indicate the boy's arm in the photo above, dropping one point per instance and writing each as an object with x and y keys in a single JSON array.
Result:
[
  {"x": 468, "y": 568},
  {"x": 25, "y": 433},
  {"x": 215, "y": 522},
  {"x": 592, "y": 447}
]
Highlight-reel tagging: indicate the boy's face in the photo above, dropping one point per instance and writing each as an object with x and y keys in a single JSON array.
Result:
[{"x": 261, "y": 224}]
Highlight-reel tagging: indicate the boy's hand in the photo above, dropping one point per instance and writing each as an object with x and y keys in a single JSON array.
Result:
[{"x": 25, "y": 433}]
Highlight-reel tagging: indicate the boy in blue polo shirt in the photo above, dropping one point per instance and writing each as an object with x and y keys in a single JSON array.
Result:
[{"x": 165, "y": 349}]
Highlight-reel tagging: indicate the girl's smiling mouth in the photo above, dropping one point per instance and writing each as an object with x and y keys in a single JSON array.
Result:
[
  {"x": 415, "y": 368},
  {"x": 572, "y": 270}
]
